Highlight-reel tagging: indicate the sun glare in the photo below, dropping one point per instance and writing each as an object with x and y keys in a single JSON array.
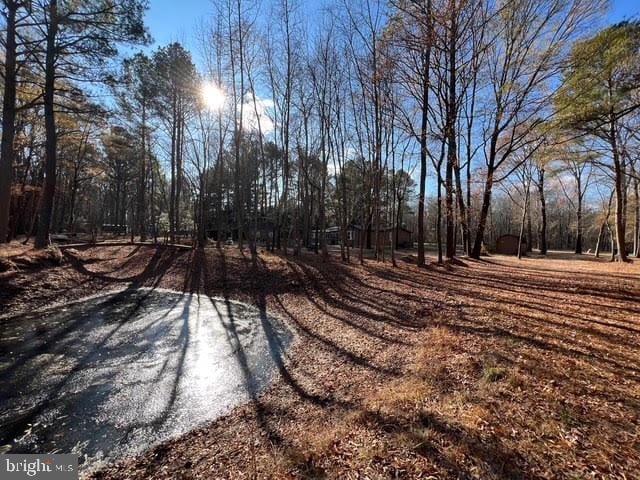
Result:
[{"x": 212, "y": 96}]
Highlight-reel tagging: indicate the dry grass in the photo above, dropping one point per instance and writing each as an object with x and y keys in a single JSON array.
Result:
[
  {"x": 15, "y": 257},
  {"x": 496, "y": 369}
]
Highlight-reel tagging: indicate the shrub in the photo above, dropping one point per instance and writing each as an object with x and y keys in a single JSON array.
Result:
[
  {"x": 54, "y": 254},
  {"x": 493, "y": 374}
]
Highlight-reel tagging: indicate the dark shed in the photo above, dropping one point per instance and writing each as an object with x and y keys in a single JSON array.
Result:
[{"x": 508, "y": 245}]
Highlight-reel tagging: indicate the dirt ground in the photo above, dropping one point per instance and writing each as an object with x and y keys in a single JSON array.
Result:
[{"x": 493, "y": 369}]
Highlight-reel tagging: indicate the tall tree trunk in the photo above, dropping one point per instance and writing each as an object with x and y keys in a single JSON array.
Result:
[
  {"x": 484, "y": 214},
  {"x": 439, "y": 219},
  {"x": 152, "y": 209},
  {"x": 464, "y": 222},
  {"x": 46, "y": 206},
  {"x": 238, "y": 145},
  {"x": 450, "y": 249},
  {"x": 345, "y": 219},
  {"x": 474, "y": 83},
  {"x": 612, "y": 240},
  {"x": 174, "y": 149},
  {"x": 543, "y": 212},
  {"x": 488, "y": 186},
  {"x": 285, "y": 130},
  {"x": 142, "y": 179},
  {"x": 72, "y": 200},
  {"x": 525, "y": 210},
  {"x": 439, "y": 203},
  {"x": 529, "y": 230},
  {"x": 423, "y": 137},
  {"x": 636, "y": 220},
  {"x": 451, "y": 138},
  {"x": 620, "y": 194},
  {"x": 605, "y": 225},
  {"x": 578, "y": 249},
  {"x": 322, "y": 217},
  {"x": 179, "y": 154},
  {"x": 8, "y": 119},
  {"x": 423, "y": 177},
  {"x": 599, "y": 241},
  {"x": 59, "y": 206},
  {"x": 202, "y": 228},
  {"x": 220, "y": 186}
]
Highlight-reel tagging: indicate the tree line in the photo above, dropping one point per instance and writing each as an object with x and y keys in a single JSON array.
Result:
[{"x": 458, "y": 119}]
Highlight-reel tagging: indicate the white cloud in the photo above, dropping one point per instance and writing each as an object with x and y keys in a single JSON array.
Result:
[{"x": 250, "y": 119}]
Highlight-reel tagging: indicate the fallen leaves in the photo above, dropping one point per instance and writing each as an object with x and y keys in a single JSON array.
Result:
[{"x": 486, "y": 370}]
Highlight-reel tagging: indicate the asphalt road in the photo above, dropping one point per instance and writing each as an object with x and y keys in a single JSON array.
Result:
[{"x": 113, "y": 375}]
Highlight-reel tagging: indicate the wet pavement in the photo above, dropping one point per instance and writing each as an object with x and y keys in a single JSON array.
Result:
[{"x": 113, "y": 375}]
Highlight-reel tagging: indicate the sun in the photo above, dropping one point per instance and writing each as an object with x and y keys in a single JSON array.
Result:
[{"x": 212, "y": 96}]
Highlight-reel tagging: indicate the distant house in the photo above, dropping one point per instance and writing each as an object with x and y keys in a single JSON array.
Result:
[
  {"x": 508, "y": 245},
  {"x": 112, "y": 228},
  {"x": 333, "y": 235},
  {"x": 355, "y": 235}
]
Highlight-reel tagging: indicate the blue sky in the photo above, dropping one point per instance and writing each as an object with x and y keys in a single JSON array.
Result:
[
  {"x": 178, "y": 20},
  {"x": 175, "y": 20},
  {"x": 171, "y": 20},
  {"x": 624, "y": 9}
]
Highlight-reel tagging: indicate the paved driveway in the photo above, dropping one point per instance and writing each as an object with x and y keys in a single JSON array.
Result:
[{"x": 113, "y": 375}]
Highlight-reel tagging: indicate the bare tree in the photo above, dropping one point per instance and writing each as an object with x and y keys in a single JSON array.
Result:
[{"x": 520, "y": 64}]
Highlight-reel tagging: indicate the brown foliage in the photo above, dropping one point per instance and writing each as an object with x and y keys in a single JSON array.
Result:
[{"x": 498, "y": 369}]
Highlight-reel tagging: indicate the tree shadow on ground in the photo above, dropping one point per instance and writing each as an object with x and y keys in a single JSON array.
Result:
[
  {"x": 377, "y": 317},
  {"x": 358, "y": 325}
]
